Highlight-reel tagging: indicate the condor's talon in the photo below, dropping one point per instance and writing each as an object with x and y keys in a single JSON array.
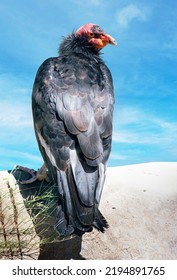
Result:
[
  {"x": 35, "y": 175},
  {"x": 42, "y": 173}
]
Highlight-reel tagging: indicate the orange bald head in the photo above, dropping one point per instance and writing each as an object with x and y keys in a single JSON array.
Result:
[{"x": 96, "y": 35}]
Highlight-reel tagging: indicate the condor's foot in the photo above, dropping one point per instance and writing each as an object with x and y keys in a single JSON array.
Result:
[{"x": 39, "y": 175}]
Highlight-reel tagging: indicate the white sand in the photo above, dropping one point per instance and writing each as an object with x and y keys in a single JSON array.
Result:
[{"x": 140, "y": 204}]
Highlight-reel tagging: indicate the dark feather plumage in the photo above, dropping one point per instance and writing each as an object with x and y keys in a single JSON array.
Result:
[{"x": 72, "y": 108}]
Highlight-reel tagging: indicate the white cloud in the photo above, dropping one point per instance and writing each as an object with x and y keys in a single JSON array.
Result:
[
  {"x": 129, "y": 13},
  {"x": 115, "y": 156},
  {"x": 16, "y": 115},
  {"x": 133, "y": 126},
  {"x": 12, "y": 157},
  {"x": 21, "y": 155},
  {"x": 126, "y": 115},
  {"x": 142, "y": 136},
  {"x": 15, "y": 106},
  {"x": 127, "y": 137}
]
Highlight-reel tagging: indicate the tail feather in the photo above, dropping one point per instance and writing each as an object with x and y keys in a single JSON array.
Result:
[
  {"x": 72, "y": 214},
  {"x": 83, "y": 214},
  {"x": 61, "y": 225},
  {"x": 78, "y": 208}
]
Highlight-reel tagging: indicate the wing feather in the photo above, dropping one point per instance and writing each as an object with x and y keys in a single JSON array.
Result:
[{"x": 72, "y": 109}]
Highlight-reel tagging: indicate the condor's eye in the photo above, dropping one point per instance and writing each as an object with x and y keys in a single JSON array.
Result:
[{"x": 91, "y": 34}]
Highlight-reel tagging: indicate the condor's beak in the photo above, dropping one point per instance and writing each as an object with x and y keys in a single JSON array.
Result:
[
  {"x": 112, "y": 41},
  {"x": 102, "y": 41}
]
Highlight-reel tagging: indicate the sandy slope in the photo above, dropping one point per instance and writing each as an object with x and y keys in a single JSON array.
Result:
[{"x": 140, "y": 203}]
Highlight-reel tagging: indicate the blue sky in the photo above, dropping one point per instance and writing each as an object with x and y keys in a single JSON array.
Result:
[{"x": 143, "y": 66}]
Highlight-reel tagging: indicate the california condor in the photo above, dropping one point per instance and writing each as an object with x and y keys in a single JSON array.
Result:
[{"x": 72, "y": 105}]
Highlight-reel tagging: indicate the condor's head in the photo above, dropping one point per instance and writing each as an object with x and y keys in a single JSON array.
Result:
[
  {"x": 95, "y": 35},
  {"x": 88, "y": 39}
]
